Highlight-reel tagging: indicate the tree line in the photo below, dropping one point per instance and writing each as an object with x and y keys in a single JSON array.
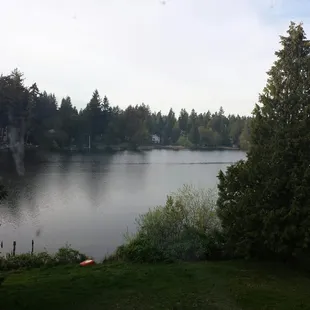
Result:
[{"x": 40, "y": 120}]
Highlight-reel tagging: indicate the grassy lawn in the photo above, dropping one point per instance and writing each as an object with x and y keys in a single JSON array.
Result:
[{"x": 207, "y": 285}]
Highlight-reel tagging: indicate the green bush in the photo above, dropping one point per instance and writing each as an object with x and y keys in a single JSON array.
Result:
[
  {"x": 186, "y": 228},
  {"x": 183, "y": 141},
  {"x": 65, "y": 255}
]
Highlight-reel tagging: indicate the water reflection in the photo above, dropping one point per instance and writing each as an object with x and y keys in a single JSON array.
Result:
[{"x": 89, "y": 201}]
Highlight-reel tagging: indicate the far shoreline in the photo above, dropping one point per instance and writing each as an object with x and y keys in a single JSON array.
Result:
[
  {"x": 126, "y": 147},
  {"x": 145, "y": 148},
  {"x": 193, "y": 148}
]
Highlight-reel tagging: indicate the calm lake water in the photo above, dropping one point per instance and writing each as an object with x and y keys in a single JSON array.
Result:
[{"x": 89, "y": 201}]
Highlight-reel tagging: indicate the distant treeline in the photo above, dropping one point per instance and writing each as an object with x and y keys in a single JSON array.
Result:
[{"x": 41, "y": 120}]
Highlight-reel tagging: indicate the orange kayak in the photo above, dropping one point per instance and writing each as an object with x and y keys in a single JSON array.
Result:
[{"x": 87, "y": 262}]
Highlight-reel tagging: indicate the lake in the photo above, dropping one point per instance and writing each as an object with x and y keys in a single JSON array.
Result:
[{"x": 90, "y": 201}]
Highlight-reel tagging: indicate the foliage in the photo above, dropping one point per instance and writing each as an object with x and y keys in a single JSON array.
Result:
[
  {"x": 193, "y": 135},
  {"x": 186, "y": 228},
  {"x": 39, "y": 120},
  {"x": 183, "y": 141},
  {"x": 65, "y": 255},
  {"x": 15, "y": 102},
  {"x": 244, "y": 138},
  {"x": 175, "y": 134},
  {"x": 264, "y": 201},
  {"x": 209, "y": 137},
  {"x": 183, "y": 120}
]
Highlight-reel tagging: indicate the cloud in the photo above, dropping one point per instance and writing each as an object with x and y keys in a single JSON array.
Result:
[{"x": 194, "y": 54}]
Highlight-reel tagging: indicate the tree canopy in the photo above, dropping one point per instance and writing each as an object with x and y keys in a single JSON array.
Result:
[
  {"x": 39, "y": 119},
  {"x": 264, "y": 201}
]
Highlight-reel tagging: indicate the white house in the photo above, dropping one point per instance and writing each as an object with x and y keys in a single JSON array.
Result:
[{"x": 155, "y": 139}]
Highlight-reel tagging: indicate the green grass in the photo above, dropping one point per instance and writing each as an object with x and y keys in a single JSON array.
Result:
[{"x": 206, "y": 285}]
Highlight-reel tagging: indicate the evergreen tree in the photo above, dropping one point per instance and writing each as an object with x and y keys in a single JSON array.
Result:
[
  {"x": 206, "y": 118},
  {"x": 183, "y": 120},
  {"x": 236, "y": 127},
  {"x": 106, "y": 104},
  {"x": 194, "y": 136},
  {"x": 106, "y": 117},
  {"x": 33, "y": 98},
  {"x": 264, "y": 202},
  {"x": 244, "y": 137},
  {"x": 175, "y": 134},
  {"x": 169, "y": 124},
  {"x": 135, "y": 126},
  {"x": 49, "y": 126},
  {"x": 94, "y": 116},
  {"x": 192, "y": 121},
  {"x": 68, "y": 117},
  {"x": 14, "y": 97}
]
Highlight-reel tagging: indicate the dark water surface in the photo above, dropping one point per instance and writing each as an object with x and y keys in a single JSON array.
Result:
[{"x": 89, "y": 201}]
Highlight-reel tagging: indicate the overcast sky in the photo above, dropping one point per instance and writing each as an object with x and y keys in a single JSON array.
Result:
[{"x": 199, "y": 54}]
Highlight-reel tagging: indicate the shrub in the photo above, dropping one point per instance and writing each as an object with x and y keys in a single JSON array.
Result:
[
  {"x": 65, "y": 255},
  {"x": 10, "y": 262},
  {"x": 183, "y": 141},
  {"x": 186, "y": 228}
]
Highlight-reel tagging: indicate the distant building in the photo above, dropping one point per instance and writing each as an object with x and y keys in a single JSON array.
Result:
[{"x": 155, "y": 139}]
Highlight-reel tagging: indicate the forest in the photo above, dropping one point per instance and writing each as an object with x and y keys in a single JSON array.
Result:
[{"x": 36, "y": 117}]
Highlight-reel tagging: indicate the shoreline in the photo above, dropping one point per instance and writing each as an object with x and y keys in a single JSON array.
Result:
[
  {"x": 122, "y": 148},
  {"x": 140, "y": 148},
  {"x": 179, "y": 148}
]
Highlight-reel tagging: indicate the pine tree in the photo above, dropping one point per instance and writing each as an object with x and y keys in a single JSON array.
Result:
[
  {"x": 93, "y": 116},
  {"x": 264, "y": 202},
  {"x": 194, "y": 135},
  {"x": 106, "y": 105},
  {"x": 14, "y": 98},
  {"x": 244, "y": 137},
  {"x": 183, "y": 120}
]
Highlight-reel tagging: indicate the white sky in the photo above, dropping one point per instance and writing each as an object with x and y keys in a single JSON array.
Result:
[{"x": 199, "y": 54}]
